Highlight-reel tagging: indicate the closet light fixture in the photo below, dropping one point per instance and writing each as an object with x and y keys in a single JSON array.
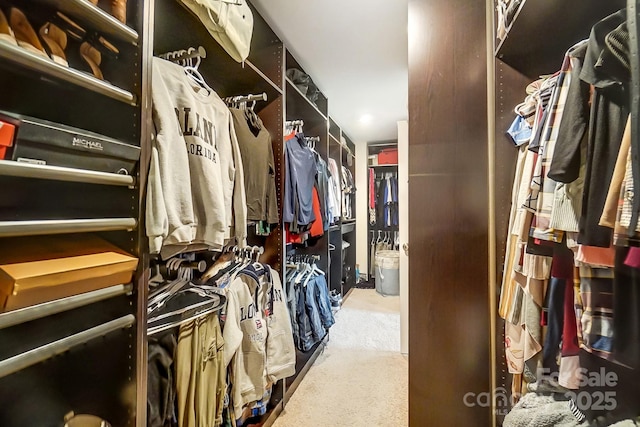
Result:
[{"x": 366, "y": 119}]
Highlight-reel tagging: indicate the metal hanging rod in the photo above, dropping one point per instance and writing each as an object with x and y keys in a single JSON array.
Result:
[
  {"x": 312, "y": 138},
  {"x": 183, "y": 54},
  {"x": 27, "y": 314},
  {"x": 47, "y": 351},
  {"x": 64, "y": 226},
  {"x": 246, "y": 98},
  {"x": 295, "y": 123},
  {"x": 27, "y": 170}
]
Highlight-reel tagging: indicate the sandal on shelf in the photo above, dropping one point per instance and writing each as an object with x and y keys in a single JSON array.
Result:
[
  {"x": 56, "y": 41},
  {"x": 24, "y": 32},
  {"x": 67, "y": 25},
  {"x": 6, "y": 33},
  {"x": 118, "y": 9},
  {"x": 93, "y": 58},
  {"x": 91, "y": 51}
]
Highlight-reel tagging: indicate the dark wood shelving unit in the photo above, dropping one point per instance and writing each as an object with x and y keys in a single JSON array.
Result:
[
  {"x": 44, "y": 200},
  {"x": 542, "y": 31},
  {"x": 83, "y": 352},
  {"x": 535, "y": 45}
]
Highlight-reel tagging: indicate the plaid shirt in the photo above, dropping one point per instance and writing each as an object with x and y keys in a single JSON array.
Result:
[{"x": 543, "y": 187}]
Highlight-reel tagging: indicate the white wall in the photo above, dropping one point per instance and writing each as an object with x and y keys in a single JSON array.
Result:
[
  {"x": 362, "y": 219},
  {"x": 403, "y": 217}
]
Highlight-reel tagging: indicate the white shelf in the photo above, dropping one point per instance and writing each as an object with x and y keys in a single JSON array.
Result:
[{"x": 14, "y": 54}]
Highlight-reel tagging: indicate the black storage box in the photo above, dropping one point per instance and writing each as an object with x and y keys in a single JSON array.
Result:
[{"x": 42, "y": 142}]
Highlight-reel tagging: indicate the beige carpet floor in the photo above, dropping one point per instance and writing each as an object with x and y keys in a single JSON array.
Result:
[{"x": 361, "y": 379}]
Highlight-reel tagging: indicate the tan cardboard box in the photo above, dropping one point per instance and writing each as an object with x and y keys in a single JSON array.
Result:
[{"x": 37, "y": 269}]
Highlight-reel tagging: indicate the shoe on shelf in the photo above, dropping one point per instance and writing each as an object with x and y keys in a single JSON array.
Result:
[
  {"x": 6, "y": 33},
  {"x": 56, "y": 40},
  {"x": 24, "y": 32},
  {"x": 93, "y": 58},
  {"x": 68, "y": 26},
  {"x": 119, "y": 10}
]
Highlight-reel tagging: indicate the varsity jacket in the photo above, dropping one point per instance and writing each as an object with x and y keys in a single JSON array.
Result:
[
  {"x": 257, "y": 333},
  {"x": 195, "y": 193}
]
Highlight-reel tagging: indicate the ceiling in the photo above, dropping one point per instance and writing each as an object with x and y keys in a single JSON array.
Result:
[{"x": 356, "y": 53}]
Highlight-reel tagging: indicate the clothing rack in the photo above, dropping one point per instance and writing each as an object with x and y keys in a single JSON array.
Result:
[
  {"x": 309, "y": 259},
  {"x": 312, "y": 141},
  {"x": 246, "y": 98},
  {"x": 294, "y": 125},
  {"x": 39, "y": 311},
  {"x": 185, "y": 54}
]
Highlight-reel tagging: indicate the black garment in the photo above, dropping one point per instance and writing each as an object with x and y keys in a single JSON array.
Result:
[
  {"x": 258, "y": 163},
  {"x": 381, "y": 188},
  {"x": 322, "y": 186},
  {"x": 541, "y": 247},
  {"x": 161, "y": 384},
  {"x": 606, "y": 122},
  {"x": 572, "y": 133},
  {"x": 623, "y": 394},
  {"x": 555, "y": 322},
  {"x": 609, "y": 112},
  {"x": 626, "y": 306}
]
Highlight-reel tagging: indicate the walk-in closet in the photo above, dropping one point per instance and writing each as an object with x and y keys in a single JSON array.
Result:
[
  {"x": 178, "y": 220},
  {"x": 73, "y": 260},
  {"x": 521, "y": 216},
  {"x": 579, "y": 351},
  {"x": 383, "y": 220}
]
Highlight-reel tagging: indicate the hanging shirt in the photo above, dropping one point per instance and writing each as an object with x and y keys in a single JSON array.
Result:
[
  {"x": 602, "y": 117},
  {"x": 372, "y": 196},
  {"x": 332, "y": 208},
  {"x": 258, "y": 340},
  {"x": 316, "y": 229},
  {"x": 335, "y": 180},
  {"x": 200, "y": 373},
  {"x": 195, "y": 193},
  {"x": 258, "y": 165},
  {"x": 322, "y": 186},
  {"x": 300, "y": 175},
  {"x": 547, "y": 186}
]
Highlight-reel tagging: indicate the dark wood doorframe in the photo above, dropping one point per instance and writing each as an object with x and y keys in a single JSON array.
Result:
[{"x": 449, "y": 316}]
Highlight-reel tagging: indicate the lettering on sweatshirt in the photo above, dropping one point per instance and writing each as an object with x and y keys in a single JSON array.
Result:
[{"x": 200, "y": 128}]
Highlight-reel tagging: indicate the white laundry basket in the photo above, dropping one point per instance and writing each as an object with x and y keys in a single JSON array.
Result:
[{"x": 388, "y": 272}]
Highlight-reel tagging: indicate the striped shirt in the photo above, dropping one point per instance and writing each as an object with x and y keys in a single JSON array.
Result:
[{"x": 596, "y": 290}]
